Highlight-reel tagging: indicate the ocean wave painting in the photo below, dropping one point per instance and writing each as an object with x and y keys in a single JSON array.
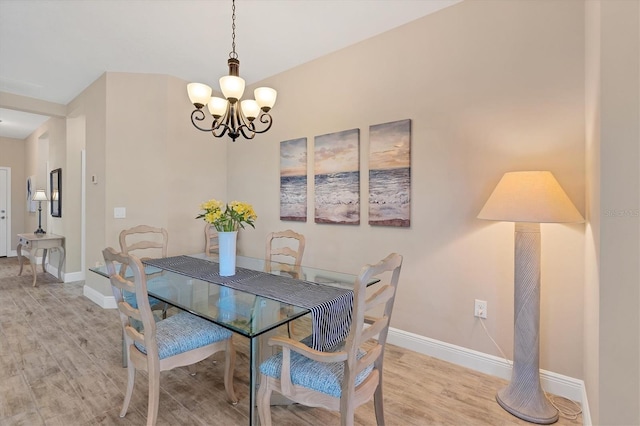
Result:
[
  {"x": 390, "y": 174},
  {"x": 293, "y": 180},
  {"x": 337, "y": 177}
]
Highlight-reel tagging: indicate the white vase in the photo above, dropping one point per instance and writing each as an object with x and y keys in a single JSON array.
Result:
[
  {"x": 226, "y": 304},
  {"x": 227, "y": 253}
]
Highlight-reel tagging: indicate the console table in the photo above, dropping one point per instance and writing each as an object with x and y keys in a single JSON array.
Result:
[{"x": 34, "y": 242}]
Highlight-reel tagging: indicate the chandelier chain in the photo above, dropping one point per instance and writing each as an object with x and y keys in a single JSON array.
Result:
[{"x": 233, "y": 53}]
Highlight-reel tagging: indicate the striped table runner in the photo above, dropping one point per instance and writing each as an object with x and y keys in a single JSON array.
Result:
[{"x": 330, "y": 306}]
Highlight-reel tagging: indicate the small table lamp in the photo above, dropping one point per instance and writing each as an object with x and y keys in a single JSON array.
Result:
[
  {"x": 40, "y": 196},
  {"x": 528, "y": 199}
]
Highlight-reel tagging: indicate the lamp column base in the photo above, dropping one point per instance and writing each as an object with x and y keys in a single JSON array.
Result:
[
  {"x": 523, "y": 397},
  {"x": 530, "y": 406}
]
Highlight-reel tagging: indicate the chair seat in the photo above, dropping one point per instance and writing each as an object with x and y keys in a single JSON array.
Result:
[
  {"x": 319, "y": 376},
  {"x": 184, "y": 332}
]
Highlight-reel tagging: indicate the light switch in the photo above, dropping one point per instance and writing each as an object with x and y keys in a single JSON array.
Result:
[
  {"x": 94, "y": 179},
  {"x": 119, "y": 212}
]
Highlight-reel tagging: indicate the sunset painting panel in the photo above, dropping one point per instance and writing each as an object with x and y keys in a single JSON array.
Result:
[
  {"x": 293, "y": 180},
  {"x": 337, "y": 177},
  {"x": 390, "y": 174}
]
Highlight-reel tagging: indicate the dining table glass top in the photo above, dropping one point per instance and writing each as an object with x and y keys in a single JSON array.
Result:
[{"x": 240, "y": 311}]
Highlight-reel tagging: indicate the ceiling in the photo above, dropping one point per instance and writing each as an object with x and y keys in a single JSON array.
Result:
[{"x": 52, "y": 49}]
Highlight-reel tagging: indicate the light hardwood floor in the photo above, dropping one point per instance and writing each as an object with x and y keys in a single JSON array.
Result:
[{"x": 60, "y": 364}]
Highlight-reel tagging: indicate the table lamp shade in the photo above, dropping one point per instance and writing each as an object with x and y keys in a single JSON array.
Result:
[
  {"x": 40, "y": 195},
  {"x": 534, "y": 196}
]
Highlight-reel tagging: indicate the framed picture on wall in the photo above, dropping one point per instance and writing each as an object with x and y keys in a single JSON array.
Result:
[
  {"x": 293, "y": 180},
  {"x": 390, "y": 174},
  {"x": 32, "y": 206},
  {"x": 337, "y": 177},
  {"x": 56, "y": 192}
]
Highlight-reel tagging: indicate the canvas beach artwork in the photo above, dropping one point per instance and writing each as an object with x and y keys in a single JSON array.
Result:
[
  {"x": 390, "y": 174},
  {"x": 337, "y": 177},
  {"x": 293, "y": 180}
]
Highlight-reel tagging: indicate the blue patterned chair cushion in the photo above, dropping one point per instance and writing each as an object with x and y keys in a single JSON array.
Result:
[
  {"x": 183, "y": 332},
  {"x": 319, "y": 376}
]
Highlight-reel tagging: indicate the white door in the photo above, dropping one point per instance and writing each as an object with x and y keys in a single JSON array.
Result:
[{"x": 4, "y": 210}]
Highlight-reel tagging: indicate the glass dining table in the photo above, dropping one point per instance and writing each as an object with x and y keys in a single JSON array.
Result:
[{"x": 244, "y": 311}]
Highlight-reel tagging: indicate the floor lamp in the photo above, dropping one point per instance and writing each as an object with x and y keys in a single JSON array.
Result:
[
  {"x": 40, "y": 196},
  {"x": 528, "y": 199}
]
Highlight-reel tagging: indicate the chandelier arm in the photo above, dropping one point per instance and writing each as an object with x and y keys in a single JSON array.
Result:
[
  {"x": 199, "y": 115},
  {"x": 265, "y": 118},
  {"x": 247, "y": 127}
]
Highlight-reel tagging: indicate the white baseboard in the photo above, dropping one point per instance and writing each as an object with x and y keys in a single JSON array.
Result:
[
  {"x": 554, "y": 383},
  {"x": 586, "y": 414},
  {"x": 67, "y": 277},
  {"x": 105, "y": 302}
]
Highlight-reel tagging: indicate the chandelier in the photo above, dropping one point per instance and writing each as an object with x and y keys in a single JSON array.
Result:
[{"x": 230, "y": 114}]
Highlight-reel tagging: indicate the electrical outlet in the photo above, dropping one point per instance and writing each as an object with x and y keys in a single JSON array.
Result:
[{"x": 480, "y": 309}]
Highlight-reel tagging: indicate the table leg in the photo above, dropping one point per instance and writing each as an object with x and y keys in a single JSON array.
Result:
[
  {"x": 44, "y": 261},
  {"x": 34, "y": 263},
  {"x": 20, "y": 257},
  {"x": 61, "y": 262},
  {"x": 253, "y": 366}
]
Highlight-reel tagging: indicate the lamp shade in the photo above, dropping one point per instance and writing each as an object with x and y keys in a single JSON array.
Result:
[
  {"x": 232, "y": 87},
  {"x": 532, "y": 196},
  {"x": 266, "y": 97},
  {"x": 40, "y": 195},
  {"x": 217, "y": 106},
  {"x": 199, "y": 94}
]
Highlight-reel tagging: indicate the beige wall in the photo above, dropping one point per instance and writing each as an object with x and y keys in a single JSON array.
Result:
[
  {"x": 147, "y": 158},
  {"x": 592, "y": 235},
  {"x": 13, "y": 156},
  {"x": 490, "y": 87},
  {"x": 615, "y": 177}
]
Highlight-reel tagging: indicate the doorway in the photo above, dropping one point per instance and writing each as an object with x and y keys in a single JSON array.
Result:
[{"x": 5, "y": 210}]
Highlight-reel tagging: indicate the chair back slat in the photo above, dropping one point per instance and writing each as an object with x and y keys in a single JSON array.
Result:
[
  {"x": 373, "y": 329},
  {"x": 371, "y": 355},
  {"x": 144, "y": 237},
  {"x": 379, "y": 297}
]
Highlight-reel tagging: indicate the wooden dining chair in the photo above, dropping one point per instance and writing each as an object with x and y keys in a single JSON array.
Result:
[
  {"x": 284, "y": 250},
  {"x": 350, "y": 375},
  {"x": 180, "y": 340},
  {"x": 287, "y": 248},
  {"x": 145, "y": 242},
  {"x": 211, "y": 243}
]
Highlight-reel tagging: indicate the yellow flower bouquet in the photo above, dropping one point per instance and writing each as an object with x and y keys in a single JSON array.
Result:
[{"x": 227, "y": 217}]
